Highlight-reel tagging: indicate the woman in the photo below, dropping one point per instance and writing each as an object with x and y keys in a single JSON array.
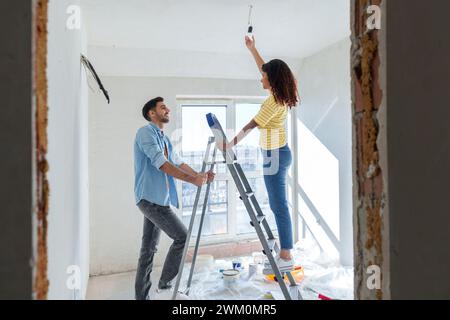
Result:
[{"x": 278, "y": 79}]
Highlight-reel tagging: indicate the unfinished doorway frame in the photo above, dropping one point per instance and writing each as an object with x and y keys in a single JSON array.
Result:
[
  {"x": 370, "y": 213},
  {"x": 370, "y": 210}
]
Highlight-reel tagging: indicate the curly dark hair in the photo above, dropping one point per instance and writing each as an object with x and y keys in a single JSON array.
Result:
[{"x": 283, "y": 82}]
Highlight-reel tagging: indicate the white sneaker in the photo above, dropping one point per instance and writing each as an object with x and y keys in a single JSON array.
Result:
[
  {"x": 182, "y": 296},
  {"x": 166, "y": 294},
  {"x": 283, "y": 265}
]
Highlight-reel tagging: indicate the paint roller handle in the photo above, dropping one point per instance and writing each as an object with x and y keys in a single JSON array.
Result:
[{"x": 250, "y": 26}]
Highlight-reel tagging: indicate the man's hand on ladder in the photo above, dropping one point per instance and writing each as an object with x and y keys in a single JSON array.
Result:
[
  {"x": 200, "y": 179},
  {"x": 210, "y": 176}
]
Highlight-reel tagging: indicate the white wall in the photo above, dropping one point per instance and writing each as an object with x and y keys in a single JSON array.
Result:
[
  {"x": 324, "y": 149},
  {"x": 116, "y": 223},
  {"x": 67, "y": 155}
]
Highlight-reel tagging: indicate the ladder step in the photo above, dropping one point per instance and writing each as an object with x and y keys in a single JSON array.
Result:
[
  {"x": 272, "y": 243},
  {"x": 221, "y": 162},
  {"x": 248, "y": 194},
  {"x": 259, "y": 218},
  {"x": 217, "y": 162}
]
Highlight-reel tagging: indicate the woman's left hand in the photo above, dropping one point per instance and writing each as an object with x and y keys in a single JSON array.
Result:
[{"x": 223, "y": 146}]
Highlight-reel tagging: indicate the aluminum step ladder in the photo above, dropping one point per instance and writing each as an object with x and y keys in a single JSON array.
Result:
[{"x": 258, "y": 219}]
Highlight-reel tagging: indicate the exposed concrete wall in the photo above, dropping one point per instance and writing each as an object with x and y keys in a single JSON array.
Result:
[
  {"x": 369, "y": 154},
  {"x": 41, "y": 188},
  {"x": 116, "y": 222},
  {"x": 418, "y": 117},
  {"x": 401, "y": 77},
  {"x": 17, "y": 144}
]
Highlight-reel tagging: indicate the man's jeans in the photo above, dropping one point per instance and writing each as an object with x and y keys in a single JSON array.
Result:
[{"x": 158, "y": 218}]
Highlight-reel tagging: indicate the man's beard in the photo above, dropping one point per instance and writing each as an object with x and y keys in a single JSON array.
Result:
[{"x": 163, "y": 119}]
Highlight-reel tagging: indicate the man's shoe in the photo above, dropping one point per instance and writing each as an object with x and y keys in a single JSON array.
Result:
[
  {"x": 164, "y": 287},
  {"x": 166, "y": 294}
]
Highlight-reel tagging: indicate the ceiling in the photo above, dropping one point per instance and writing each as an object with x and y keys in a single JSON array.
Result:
[{"x": 284, "y": 28}]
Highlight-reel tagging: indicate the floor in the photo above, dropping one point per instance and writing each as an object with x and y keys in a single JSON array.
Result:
[{"x": 321, "y": 276}]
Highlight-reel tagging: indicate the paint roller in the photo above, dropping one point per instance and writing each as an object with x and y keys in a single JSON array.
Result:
[{"x": 250, "y": 23}]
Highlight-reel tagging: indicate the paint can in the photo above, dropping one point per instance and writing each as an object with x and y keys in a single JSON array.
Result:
[{"x": 230, "y": 277}]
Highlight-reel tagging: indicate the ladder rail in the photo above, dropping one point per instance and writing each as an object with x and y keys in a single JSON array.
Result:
[
  {"x": 254, "y": 201},
  {"x": 295, "y": 293},
  {"x": 253, "y": 209},
  {"x": 200, "y": 227},
  {"x": 231, "y": 158},
  {"x": 252, "y": 204},
  {"x": 259, "y": 231},
  {"x": 191, "y": 224}
]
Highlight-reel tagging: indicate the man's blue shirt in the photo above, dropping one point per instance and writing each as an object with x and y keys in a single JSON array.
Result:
[{"x": 151, "y": 183}]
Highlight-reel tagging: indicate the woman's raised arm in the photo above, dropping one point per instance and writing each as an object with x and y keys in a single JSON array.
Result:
[{"x": 250, "y": 43}]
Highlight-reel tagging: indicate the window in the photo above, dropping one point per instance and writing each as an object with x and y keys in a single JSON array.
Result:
[
  {"x": 225, "y": 214},
  {"x": 216, "y": 212},
  {"x": 195, "y": 132},
  {"x": 249, "y": 155},
  {"x": 194, "y": 128}
]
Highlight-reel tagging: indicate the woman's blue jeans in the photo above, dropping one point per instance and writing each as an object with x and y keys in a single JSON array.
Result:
[{"x": 276, "y": 165}]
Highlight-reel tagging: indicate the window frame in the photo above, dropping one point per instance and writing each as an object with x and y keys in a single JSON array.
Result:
[{"x": 230, "y": 102}]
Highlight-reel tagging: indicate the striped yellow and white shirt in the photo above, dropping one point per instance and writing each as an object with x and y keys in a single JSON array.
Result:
[{"x": 271, "y": 121}]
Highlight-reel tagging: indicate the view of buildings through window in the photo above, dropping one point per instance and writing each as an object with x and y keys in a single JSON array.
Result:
[{"x": 222, "y": 215}]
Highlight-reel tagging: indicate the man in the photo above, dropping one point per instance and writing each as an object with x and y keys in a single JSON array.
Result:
[{"x": 156, "y": 167}]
